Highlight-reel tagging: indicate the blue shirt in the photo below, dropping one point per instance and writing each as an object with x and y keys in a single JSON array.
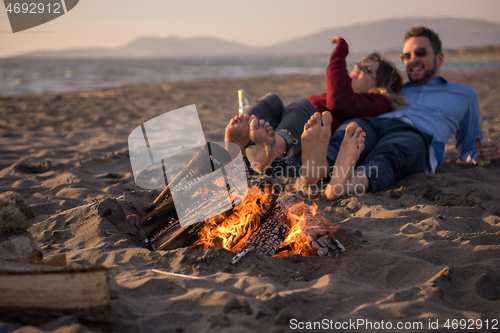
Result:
[{"x": 442, "y": 109}]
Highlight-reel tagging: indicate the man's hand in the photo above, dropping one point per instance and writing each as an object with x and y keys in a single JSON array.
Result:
[{"x": 488, "y": 150}]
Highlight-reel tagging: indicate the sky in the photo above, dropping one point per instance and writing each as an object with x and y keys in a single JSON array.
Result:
[{"x": 114, "y": 23}]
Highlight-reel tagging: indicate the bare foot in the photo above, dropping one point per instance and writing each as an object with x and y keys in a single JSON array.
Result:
[
  {"x": 238, "y": 131},
  {"x": 315, "y": 139},
  {"x": 265, "y": 140},
  {"x": 343, "y": 169}
]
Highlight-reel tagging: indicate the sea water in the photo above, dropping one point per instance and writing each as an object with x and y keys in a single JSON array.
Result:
[{"x": 28, "y": 76}]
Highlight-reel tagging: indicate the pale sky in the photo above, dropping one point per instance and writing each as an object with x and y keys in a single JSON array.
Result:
[{"x": 114, "y": 23}]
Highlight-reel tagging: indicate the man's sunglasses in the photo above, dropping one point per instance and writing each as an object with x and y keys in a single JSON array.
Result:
[
  {"x": 363, "y": 68},
  {"x": 421, "y": 52}
]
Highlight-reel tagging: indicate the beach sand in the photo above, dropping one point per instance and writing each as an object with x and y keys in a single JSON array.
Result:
[{"x": 425, "y": 250}]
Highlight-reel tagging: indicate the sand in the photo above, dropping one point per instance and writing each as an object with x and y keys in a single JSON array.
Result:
[{"x": 426, "y": 250}]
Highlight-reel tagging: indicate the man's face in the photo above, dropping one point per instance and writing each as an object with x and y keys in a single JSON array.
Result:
[{"x": 421, "y": 69}]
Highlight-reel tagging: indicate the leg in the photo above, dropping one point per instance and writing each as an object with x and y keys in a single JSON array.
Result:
[
  {"x": 295, "y": 116},
  {"x": 317, "y": 132},
  {"x": 393, "y": 150},
  {"x": 343, "y": 170},
  {"x": 397, "y": 155},
  {"x": 372, "y": 137},
  {"x": 274, "y": 144},
  {"x": 270, "y": 108}
]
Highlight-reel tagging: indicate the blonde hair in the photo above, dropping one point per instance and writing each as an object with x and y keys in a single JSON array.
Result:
[{"x": 389, "y": 81}]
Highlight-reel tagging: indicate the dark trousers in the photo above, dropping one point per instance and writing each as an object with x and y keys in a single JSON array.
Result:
[
  {"x": 288, "y": 122},
  {"x": 393, "y": 150}
]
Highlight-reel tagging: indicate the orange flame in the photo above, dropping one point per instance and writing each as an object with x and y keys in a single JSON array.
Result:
[
  {"x": 232, "y": 232},
  {"x": 303, "y": 218}
]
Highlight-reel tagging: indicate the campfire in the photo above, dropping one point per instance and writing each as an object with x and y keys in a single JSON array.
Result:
[{"x": 266, "y": 220}]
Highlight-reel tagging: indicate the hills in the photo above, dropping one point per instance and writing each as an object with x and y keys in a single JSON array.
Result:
[{"x": 383, "y": 36}]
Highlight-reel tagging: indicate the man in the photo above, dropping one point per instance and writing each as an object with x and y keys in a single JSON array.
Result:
[{"x": 407, "y": 141}]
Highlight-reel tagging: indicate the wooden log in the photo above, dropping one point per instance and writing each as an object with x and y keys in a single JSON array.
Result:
[
  {"x": 271, "y": 233},
  {"x": 318, "y": 231},
  {"x": 15, "y": 214},
  {"x": 34, "y": 294}
]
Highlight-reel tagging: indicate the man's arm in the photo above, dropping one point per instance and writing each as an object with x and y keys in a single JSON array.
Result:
[
  {"x": 469, "y": 128},
  {"x": 468, "y": 137}
]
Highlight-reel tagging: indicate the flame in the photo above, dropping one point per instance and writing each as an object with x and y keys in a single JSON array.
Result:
[
  {"x": 231, "y": 232},
  {"x": 303, "y": 218}
]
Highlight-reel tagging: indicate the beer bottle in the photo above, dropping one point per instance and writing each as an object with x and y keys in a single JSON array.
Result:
[
  {"x": 485, "y": 137},
  {"x": 243, "y": 101}
]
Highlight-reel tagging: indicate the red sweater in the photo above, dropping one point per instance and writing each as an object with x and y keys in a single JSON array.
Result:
[{"x": 339, "y": 97}]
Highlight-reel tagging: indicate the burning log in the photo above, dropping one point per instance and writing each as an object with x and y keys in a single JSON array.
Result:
[
  {"x": 233, "y": 229},
  {"x": 311, "y": 233},
  {"x": 271, "y": 233}
]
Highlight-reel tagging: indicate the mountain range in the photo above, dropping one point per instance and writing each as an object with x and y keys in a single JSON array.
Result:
[{"x": 382, "y": 36}]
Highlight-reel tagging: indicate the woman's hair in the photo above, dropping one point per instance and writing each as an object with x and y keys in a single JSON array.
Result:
[{"x": 389, "y": 81}]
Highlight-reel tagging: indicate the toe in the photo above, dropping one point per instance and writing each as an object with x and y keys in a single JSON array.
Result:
[
  {"x": 358, "y": 132},
  {"x": 254, "y": 124},
  {"x": 351, "y": 129},
  {"x": 317, "y": 118},
  {"x": 361, "y": 143},
  {"x": 326, "y": 117}
]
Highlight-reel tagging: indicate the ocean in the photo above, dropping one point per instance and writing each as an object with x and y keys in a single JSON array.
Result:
[{"x": 19, "y": 76}]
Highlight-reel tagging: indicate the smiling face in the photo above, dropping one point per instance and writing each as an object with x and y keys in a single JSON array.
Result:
[
  {"x": 421, "y": 69},
  {"x": 362, "y": 81}
]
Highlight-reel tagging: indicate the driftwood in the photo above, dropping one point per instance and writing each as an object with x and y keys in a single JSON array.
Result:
[{"x": 34, "y": 294}]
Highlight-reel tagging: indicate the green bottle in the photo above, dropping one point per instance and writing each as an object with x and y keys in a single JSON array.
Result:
[{"x": 485, "y": 137}]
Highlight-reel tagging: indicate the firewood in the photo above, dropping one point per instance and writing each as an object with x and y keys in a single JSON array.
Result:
[
  {"x": 269, "y": 236},
  {"x": 318, "y": 231},
  {"x": 34, "y": 294}
]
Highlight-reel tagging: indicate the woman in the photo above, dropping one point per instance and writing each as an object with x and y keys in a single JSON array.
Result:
[{"x": 372, "y": 88}]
